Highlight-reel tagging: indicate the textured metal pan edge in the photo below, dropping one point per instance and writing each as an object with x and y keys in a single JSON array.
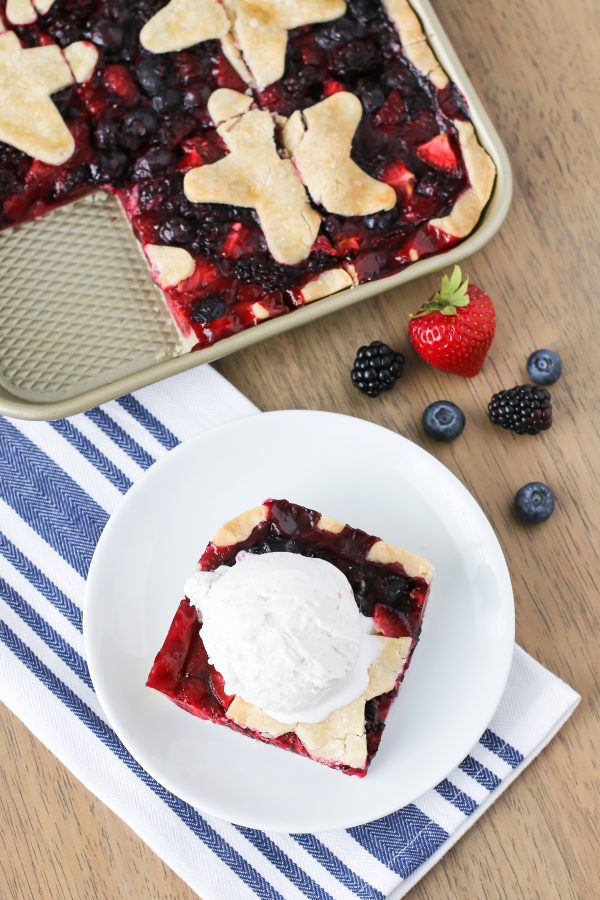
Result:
[{"x": 492, "y": 219}]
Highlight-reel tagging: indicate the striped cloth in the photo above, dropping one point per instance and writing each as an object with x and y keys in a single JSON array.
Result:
[{"x": 59, "y": 482}]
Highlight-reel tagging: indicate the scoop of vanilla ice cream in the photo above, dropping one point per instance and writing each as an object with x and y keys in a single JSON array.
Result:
[{"x": 285, "y": 633}]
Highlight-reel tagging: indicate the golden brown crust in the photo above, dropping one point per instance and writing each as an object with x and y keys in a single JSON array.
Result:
[
  {"x": 20, "y": 12},
  {"x": 183, "y": 23},
  {"x": 82, "y": 57},
  {"x": 341, "y": 737},
  {"x": 466, "y": 212},
  {"x": 319, "y": 140},
  {"x": 29, "y": 120},
  {"x": 224, "y": 104},
  {"x": 327, "y": 283},
  {"x": 240, "y": 528},
  {"x": 414, "y": 566},
  {"x": 326, "y": 523},
  {"x": 170, "y": 264},
  {"x": 414, "y": 41},
  {"x": 261, "y": 30}
]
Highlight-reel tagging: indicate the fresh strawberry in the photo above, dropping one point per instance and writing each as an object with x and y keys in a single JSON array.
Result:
[
  {"x": 453, "y": 331},
  {"x": 438, "y": 153}
]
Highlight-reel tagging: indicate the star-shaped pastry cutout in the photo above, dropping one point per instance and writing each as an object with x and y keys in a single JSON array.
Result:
[
  {"x": 257, "y": 30},
  {"x": 29, "y": 120}
]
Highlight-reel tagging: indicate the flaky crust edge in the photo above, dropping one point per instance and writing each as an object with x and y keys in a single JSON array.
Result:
[
  {"x": 341, "y": 737},
  {"x": 481, "y": 170}
]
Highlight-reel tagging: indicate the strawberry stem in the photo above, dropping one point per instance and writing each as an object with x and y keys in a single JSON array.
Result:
[{"x": 451, "y": 296}]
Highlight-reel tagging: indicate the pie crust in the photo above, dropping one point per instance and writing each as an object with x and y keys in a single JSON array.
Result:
[
  {"x": 254, "y": 175},
  {"x": 240, "y": 528},
  {"x": 226, "y": 104},
  {"x": 171, "y": 265},
  {"x": 82, "y": 57},
  {"x": 341, "y": 737},
  {"x": 183, "y": 23},
  {"x": 319, "y": 140},
  {"x": 260, "y": 30},
  {"x": 414, "y": 41},
  {"x": 466, "y": 212},
  {"x": 329, "y": 282},
  {"x": 20, "y": 12},
  {"x": 29, "y": 120}
]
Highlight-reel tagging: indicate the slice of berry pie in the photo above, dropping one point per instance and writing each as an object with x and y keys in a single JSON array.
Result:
[
  {"x": 267, "y": 154},
  {"x": 296, "y": 630}
]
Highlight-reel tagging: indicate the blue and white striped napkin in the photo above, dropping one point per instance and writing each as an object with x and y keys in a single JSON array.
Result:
[{"x": 59, "y": 482}]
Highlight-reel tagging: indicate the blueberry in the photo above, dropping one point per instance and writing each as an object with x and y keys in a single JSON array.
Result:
[
  {"x": 109, "y": 168},
  {"x": 443, "y": 420},
  {"x": 371, "y": 94},
  {"x": 107, "y": 34},
  {"x": 340, "y": 32},
  {"x": 140, "y": 122},
  {"x": 106, "y": 135},
  {"x": 152, "y": 74},
  {"x": 166, "y": 99},
  {"x": 8, "y": 183},
  {"x": 205, "y": 311},
  {"x": 196, "y": 94},
  {"x": 355, "y": 58},
  {"x": 153, "y": 162},
  {"x": 544, "y": 366},
  {"x": 534, "y": 502},
  {"x": 175, "y": 231}
]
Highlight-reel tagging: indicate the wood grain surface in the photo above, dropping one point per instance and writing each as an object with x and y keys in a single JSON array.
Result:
[{"x": 535, "y": 65}]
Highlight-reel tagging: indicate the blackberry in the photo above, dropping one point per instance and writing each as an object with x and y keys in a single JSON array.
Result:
[
  {"x": 526, "y": 409},
  {"x": 270, "y": 275},
  {"x": 376, "y": 368}
]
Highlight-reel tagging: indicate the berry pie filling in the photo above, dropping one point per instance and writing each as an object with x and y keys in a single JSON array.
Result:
[
  {"x": 258, "y": 176},
  {"x": 297, "y": 631}
]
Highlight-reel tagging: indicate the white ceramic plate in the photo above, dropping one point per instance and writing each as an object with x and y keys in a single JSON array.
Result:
[{"x": 358, "y": 473}]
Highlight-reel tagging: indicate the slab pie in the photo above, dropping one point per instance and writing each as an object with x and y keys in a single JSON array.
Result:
[
  {"x": 267, "y": 154},
  {"x": 390, "y": 586}
]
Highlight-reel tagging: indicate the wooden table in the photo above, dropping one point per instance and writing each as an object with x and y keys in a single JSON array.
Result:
[{"x": 534, "y": 63}]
